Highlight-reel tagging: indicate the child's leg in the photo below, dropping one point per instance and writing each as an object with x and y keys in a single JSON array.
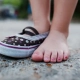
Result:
[
  {"x": 55, "y": 48},
  {"x": 40, "y": 12}
]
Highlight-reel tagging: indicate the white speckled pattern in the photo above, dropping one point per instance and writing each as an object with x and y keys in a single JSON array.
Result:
[{"x": 20, "y": 51}]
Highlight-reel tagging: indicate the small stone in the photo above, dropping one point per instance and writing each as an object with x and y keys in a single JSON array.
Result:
[
  {"x": 49, "y": 65},
  {"x": 71, "y": 66},
  {"x": 65, "y": 65},
  {"x": 41, "y": 65},
  {"x": 22, "y": 69},
  {"x": 4, "y": 60},
  {"x": 35, "y": 69}
]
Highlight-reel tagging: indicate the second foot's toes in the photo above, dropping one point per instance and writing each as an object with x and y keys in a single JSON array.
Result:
[
  {"x": 47, "y": 55},
  {"x": 37, "y": 56}
]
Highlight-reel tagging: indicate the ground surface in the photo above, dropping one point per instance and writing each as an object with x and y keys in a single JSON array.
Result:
[{"x": 25, "y": 69}]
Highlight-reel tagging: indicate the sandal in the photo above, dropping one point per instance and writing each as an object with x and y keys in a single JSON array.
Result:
[{"x": 20, "y": 45}]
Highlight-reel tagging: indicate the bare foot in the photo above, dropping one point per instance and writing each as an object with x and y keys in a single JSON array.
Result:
[{"x": 53, "y": 49}]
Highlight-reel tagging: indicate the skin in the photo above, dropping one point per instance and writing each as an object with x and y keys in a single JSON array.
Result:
[
  {"x": 41, "y": 14},
  {"x": 54, "y": 48}
]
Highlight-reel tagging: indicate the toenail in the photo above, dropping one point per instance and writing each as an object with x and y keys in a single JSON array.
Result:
[
  {"x": 66, "y": 57},
  {"x": 59, "y": 59}
]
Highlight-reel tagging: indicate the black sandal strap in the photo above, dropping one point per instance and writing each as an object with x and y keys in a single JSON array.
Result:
[
  {"x": 33, "y": 29},
  {"x": 28, "y": 33}
]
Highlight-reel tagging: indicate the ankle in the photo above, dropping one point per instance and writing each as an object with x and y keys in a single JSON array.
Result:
[
  {"x": 64, "y": 32},
  {"x": 42, "y": 26}
]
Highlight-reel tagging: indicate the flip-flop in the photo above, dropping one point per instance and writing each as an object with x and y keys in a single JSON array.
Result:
[{"x": 20, "y": 45}]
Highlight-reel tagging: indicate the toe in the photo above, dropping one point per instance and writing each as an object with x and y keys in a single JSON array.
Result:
[
  {"x": 37, "y": 56},
  {"x": 59, "y": 56},
  {"x": 66, "y": 55},
  {"x": 47, "y": 56},
  {"x": 54, "y": 56}
]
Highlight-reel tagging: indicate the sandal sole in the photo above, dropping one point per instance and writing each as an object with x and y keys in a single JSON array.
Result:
[{"x": 17, "y": 52}]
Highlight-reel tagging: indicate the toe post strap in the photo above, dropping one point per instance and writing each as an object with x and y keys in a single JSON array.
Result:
[{"x": 26, "y": 31}]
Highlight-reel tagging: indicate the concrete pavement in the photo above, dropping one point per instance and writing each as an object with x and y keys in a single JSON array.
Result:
[{"x": 25, "y": 69}]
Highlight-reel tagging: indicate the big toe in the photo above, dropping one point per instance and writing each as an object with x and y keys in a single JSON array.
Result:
[{"x": 37, "y": 56}]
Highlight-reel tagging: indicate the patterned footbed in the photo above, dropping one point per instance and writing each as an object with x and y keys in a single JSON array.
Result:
[{"x": 19, "y": 41}]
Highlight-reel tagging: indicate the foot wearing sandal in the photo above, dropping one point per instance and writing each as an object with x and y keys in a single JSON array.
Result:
[{"x": 23, "y": 44}]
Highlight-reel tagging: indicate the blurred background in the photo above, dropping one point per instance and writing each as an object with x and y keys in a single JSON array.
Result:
[
  {"x": 14, "y": 9},
  {"x": 20, "y": 9}
]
